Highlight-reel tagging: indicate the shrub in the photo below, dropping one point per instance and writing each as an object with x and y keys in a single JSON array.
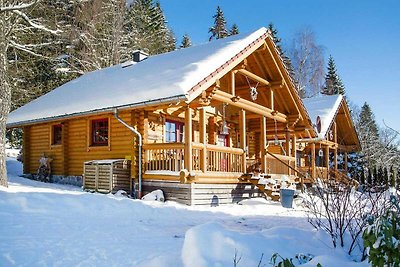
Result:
[{"x": 382, "y": 237}]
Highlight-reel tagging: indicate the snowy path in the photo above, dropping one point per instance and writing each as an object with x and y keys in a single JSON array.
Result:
[{"x": 55, "y": 225}]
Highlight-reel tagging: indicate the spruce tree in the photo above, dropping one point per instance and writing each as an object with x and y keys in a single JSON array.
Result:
[
  {"x": 146, "y": 28},
  {"x": 286, "y": 60},
  {"x": 368, "y": 133},
  {"x": 218, "y": 30},
  {"x": 362, "y": 176},
  {"x": 386, "y": 177},
  {"x": 392, "y": 177},
  {"x": 234, "y": 30},
  {"x": 375, "y": 177},
  {"x": 333, "y": 83},
  {"x": 185, "y": 41},
  {"x": 369, "y": 177}
]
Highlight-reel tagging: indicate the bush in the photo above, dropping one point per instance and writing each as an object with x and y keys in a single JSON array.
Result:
[{"x": 382, "y": 237}]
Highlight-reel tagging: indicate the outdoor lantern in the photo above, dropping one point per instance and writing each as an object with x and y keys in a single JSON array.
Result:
[{"x": 321, "y": 152}]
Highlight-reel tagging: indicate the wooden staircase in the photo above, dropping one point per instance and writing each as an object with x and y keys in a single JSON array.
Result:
[{"x": 265, "y": 184}]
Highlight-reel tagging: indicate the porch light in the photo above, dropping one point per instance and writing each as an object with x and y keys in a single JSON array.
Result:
[{"x": 320, "y": 153}]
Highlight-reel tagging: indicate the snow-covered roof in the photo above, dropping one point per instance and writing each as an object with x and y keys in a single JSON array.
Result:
[
  {"x": 159, "y": 78},
  {"x": 324, "y": 106}
]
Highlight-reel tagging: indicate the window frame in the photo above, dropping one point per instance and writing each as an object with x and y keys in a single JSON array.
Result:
[
  {"x": 179, "y": 131},
  {"x": 92, "y": 141},
  {"x": 53, "y": 134}
]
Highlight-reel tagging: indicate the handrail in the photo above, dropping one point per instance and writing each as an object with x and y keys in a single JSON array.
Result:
[
  {"x": 163, "y": 145},
  {"x": 216, "y": 148}
]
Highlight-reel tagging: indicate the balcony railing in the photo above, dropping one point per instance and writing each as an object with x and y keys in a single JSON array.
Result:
[{"x": 170, "y": 157}]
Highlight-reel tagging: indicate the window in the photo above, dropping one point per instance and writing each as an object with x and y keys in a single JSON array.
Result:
[
  {"x": 56, "y": 134},
  {"x": 99, "y": 132},
  {"x": 173, "y": 131}
]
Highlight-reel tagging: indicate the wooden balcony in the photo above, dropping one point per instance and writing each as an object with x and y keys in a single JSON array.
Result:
[{"x": 208, "y": 162}]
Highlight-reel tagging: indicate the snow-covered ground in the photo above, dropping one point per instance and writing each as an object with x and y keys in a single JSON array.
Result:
[{"x": 56, "y": 225}]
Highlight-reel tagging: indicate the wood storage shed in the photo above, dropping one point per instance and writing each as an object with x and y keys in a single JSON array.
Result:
[{"x": 107, "y": 176}]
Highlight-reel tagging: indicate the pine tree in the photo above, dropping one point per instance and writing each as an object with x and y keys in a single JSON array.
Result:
[
  {"x": 362, "y": 176},
  {"x": 375, "y": 177},
  {"x": 146, "y": 28},
  {"x": 369, "y": 135},
  {"x": 286, "y": 60},
  {"x": 386, "y": 177},
  {"x": 333, "y": 83},
  {"x": 185, "y": 41},
  {"x": 218, "y": 30},
  {"x": 234, "y": 30},
  {"x": 369, "y": 177},
  {"x": 392, "y": 177}
]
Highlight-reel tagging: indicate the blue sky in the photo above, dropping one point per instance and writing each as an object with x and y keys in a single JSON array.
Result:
[{"x": 362, "y": 36}]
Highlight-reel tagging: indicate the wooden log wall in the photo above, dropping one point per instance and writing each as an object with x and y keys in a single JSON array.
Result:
[{"x": 69, "y": 157}]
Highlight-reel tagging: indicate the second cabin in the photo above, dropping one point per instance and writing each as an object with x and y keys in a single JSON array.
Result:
[{"x": 207, "y": 116}]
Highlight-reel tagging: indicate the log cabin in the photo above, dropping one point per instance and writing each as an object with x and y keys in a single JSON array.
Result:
[
  {"x": 192, "y": 122},
  {"x": 337, "y": 137}
]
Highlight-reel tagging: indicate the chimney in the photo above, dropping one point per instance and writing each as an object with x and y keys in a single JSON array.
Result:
[{"x": 139, "y": 55}]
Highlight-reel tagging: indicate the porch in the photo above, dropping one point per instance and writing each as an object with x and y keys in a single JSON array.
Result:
[{"x": 208, "y": 163}]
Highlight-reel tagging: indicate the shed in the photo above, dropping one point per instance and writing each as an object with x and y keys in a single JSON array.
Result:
[{"x": 107, "y": 176}]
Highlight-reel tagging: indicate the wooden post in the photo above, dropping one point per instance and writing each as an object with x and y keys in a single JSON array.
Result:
[
  {"x": 242, "y": 130},
  {"x": 346, "y": 162},
  {"x": 26, "y": 150},
  {"x": 287, "y": 147},
  {"x": 327, "y": 159},
  {"x": 232, "y": 82},
  {"x": 294, "y": 154},
  {"x": 188, "y": 139},
  {"x": 263, "y": 137},
  {"x": 272, "y": 98},
  {"x": 335, "y": 159},
  {"x": 203, "y": 140},
  {"x": 313, "y": 169}
]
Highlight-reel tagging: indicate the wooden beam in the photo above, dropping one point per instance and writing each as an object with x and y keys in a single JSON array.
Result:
[
  {"x": 271, "y": 92},
  {"x": 253, "y": 76},
  {"x": 287, "y": 146},
  {"x": 248, "y": 105},
  {"x": 242, "y": 131},
  {"x": 327, "y": 158},
  {"x": 233, "y": 83},
  {"x": 263, "y": 137},
  {"x": 188, "y": 139},
  {"x": 346, "y": 168},
  {"x": 203, "y": 140}
]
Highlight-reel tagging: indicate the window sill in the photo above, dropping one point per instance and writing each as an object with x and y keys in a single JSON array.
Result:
[
  {"x": 55, "y": 146},
  {"x": 99, "y": 148}
]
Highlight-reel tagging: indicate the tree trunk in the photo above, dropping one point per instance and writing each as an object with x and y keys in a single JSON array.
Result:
[{"x": 5, "y": 99}]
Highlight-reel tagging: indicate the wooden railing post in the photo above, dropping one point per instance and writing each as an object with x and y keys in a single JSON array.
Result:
[
  {"x": 203, "y": 140},
  {"x": 242, "y": 130},
  {"x": 263, "y": 144},
  {"x": 346, "y": 163},
  {"x": 188, "y": 139}
]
